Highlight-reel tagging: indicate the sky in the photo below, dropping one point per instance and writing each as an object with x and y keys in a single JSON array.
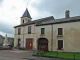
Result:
[{"x": 12, "y": 10}]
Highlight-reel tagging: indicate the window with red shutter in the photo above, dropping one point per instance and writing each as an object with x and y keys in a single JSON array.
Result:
[
  {"x": 60, "y": 31},
  {"x": 42, "y": 30},
  {"x": 60, "y": 44}
]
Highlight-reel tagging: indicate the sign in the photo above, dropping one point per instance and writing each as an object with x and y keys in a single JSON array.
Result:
[
  {"x": 30, "y": 44},
  {"x": 24, "y": 44}
]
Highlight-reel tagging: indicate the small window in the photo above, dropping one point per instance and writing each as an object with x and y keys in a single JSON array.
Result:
[
  {"x": 60, "y": 44},
  {"x": 44, "y": 43},
  {"x": 42, "y": 30},
  {"x": 23, "y": 21},
  {"x": 28, "y": 20},
  {"x": 60, "y": 31},
  {"x": 29, "y": 30},
  {"x": 41, "y": 43},
  {"x": 19, "y": 30}
]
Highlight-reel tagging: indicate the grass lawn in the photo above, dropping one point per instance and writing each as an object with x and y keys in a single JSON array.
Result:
[{"x": 60, "y": 55}]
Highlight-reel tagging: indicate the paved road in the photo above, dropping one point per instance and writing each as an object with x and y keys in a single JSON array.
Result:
[
  {"x": 21, "y": 55},
  {"x": 10, "y": 58}
]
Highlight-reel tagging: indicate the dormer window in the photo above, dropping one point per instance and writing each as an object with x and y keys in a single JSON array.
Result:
[{"x": 23, "y": 21}]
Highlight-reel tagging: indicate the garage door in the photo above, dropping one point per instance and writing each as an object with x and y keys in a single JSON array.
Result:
[
  {"x": 43, "y": 44},
  {"x": 29, "y": 43}
]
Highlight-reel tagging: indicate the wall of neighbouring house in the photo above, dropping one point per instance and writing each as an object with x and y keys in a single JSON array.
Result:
[{"x": 71, "y": 36}]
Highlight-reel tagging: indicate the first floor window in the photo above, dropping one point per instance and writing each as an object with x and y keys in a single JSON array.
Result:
[
  {"x": 60, "y": 30},
  {"x": 42, "y": 30},
  {"x": 19, "y": 30},
  {"x": 29, "y": 30},
  {"x": 60, "y": 44}
]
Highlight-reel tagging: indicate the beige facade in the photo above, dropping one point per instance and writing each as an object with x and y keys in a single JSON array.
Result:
[
  {"x": 70, "y": 37},
  {"x": 24, "y": 35}
]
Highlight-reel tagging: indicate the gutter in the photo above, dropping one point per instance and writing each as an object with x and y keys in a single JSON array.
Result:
[{"x": 23, "y": 36}]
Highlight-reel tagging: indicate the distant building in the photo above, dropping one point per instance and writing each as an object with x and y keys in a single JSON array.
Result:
[{"x": 48, "y": 34}]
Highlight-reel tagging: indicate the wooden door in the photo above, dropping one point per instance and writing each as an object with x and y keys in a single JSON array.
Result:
[
  {"x": 29, "y": 44},
  {"x": 42, "y": 45}
]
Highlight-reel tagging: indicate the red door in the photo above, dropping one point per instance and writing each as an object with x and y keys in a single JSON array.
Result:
[{"x": 29, "y": 44}]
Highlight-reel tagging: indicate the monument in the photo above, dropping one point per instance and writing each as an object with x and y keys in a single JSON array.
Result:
[{"x": 6, "y": 43}]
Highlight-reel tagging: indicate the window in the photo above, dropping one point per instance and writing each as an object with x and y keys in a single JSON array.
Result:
[
  {"x": 60, "y": 31},
  {"x": 42, "y": 30},
  {"x": 23, "y": 21},
  {"x": 60, "y": 44},
  {"x": 29, "y": 30},
  {"x": 19, "y": 30}
]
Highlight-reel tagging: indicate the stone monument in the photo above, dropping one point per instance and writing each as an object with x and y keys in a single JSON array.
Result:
[{"x": 6, "y": 43}]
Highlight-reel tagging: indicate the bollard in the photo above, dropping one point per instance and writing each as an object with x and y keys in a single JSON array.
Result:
[{"x": 57, "y": 54}]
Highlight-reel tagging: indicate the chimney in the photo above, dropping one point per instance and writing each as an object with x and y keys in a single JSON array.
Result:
[{"x": 67, "y": 14}]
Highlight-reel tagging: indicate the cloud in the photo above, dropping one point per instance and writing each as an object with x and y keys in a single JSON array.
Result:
[
  {"x": 57, "y": 8},
  {"x": 1, "y": 2},
  {"x": 6, "y": 28}
]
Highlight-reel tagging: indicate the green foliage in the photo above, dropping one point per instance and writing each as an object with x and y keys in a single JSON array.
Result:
[
  {"x": 60, "y": 55},
  {"x": 0, "y": 48}
]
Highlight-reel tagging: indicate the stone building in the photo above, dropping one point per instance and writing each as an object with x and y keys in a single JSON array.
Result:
[{"x": 48, "y": 34}]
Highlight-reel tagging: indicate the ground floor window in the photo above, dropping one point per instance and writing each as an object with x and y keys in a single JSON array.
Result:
[{"x": 60, "y": 44}]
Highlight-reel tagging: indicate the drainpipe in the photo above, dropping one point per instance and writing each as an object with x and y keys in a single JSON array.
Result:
[
  {"x": 52, "y": 39},
  {"x": 23, "y": 36}
]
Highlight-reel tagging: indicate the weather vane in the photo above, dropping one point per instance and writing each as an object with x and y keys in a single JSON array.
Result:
[{"x": 27, "y": 6}]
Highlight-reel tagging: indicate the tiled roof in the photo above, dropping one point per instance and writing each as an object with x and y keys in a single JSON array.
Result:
[
  {"x": 26, "y": 14},
  {"x": 35, "y": 21},
  {"x": 56, "y": 21}
]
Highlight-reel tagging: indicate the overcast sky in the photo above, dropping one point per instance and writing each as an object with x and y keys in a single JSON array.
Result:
[{"x": 12, "y": 10}]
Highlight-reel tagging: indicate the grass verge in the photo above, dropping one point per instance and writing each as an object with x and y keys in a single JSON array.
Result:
[{"x": 60, "y": 55}]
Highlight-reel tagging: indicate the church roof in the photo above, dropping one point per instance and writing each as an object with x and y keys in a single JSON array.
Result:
[
  {"x": 34, "y": 21},
  {"x": 26, "y": 14}
]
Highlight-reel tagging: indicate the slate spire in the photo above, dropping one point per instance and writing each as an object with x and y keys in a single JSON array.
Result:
[{"x": 26, "y": 14}]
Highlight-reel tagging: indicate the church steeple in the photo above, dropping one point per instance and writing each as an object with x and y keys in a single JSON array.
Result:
[
  {"x": 26, "y": 14},
  {"x": 25, "y": 17}
]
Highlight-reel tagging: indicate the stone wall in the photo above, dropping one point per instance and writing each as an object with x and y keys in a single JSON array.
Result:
[{"x": 11, "y": 40}]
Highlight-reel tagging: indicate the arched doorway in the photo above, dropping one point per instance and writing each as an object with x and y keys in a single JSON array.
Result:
[{"x": 43, "y": 44}]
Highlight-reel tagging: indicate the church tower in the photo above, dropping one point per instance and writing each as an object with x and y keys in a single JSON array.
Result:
[{"x": 25, "y": 17}]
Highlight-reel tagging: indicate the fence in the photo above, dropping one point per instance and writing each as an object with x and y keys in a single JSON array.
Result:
[{"x": 67, "y": 55}]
